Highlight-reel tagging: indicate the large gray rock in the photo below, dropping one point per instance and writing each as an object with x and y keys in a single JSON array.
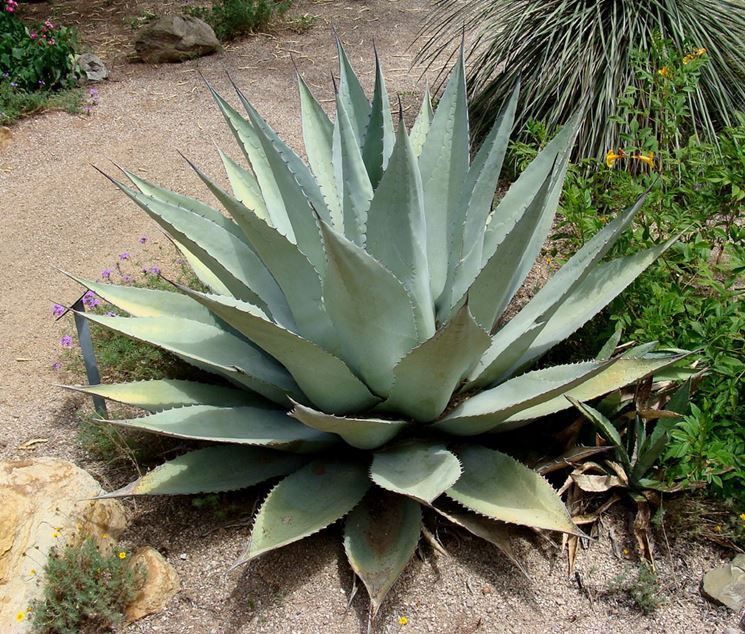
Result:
[
  {"x": 93, "y": 67},
  {"x": 726, "y": 584},
  {"x": 175, "y": 38}
]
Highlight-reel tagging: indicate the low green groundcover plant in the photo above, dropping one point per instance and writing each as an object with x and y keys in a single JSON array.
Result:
[
  {"x": 355, "y": 307},
  {"x": 231, "y": 19}
]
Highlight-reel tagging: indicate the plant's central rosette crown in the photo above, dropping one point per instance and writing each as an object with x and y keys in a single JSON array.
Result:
[{"x": 353, "y": 311}]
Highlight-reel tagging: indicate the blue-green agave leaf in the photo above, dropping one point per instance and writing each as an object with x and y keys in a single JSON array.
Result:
[
  {"x": 498, "y": 486},
  {"x": 362, "y": 433},
  {"x": 420, "y": 129},
  {"x": 306, "y": 502},
  {"x": 211, "y": 470},
  {"x": 245, "y": 186},
  {"x": 380, "y": 537},
  {"x": 422, "y": 471},
  {"x": 353, "y": 96},
  {"x": 379, "y": 136},
  {"x": 426, "y": 377}
]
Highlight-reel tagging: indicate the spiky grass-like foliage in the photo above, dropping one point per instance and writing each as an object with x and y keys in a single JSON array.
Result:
[{"x": 569, "y": 51}]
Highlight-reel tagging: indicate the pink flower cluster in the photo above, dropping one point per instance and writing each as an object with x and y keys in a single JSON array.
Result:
[
  {"x": 45, "y": 35},
  {"x": 10, "y": 6}
]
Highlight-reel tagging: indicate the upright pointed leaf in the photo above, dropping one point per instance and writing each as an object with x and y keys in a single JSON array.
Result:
[
  {"x": 155, "y": 396},
  {"x": 425, "y": 379},
  {"x": 498, "y": 486},
  {"x": 211, "y": 470},
  {"x": 324, "y": 378},
  {"x": 397, "y": 229},
  {"x": 306, "y": 502},
  {"x": 362, "y": 433},
  {"x": 245, "y": 187},
  {"x": 418, "y": 470},
  {"x": 380, "y": 537},
  {"x": 420, "y": 129},
  {"x": 444, "y": 166},
  {"x": 350, "y": 173},
  {"x": 353, "y": 96},
  {"x": 261, "y": 427},
  {"x": 379, "y": 136},
  {"x": 370, "y": 309},
  {"x": 317, "y": 138}
]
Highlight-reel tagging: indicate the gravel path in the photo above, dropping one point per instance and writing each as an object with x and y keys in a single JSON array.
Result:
[{"x": 58, "y": 212}]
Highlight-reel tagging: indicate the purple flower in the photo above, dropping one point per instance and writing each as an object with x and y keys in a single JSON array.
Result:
[
  {"x": 126, "y": 279},
  {"x": 66, "y": 341},
  {"x": 13, "y": 84},
  {"x": 58, "y": 310},
  {"x": 90, "y": 299},
  {"x": 111, "y": 313},
  {"x": 93, "y": 92},
  {"x": 124, "y": 256},
  {"x": 41, "y": 82},
  {"x": 154, "y": 270},
  {"x": 106, "y": 274},
  {"x": 56, "y": 365},
  {"x": 142, "y": 240}
]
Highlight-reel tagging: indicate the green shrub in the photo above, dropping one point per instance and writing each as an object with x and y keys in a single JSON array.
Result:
[
  {"x": 231, "y": 19},
  {"x": 85, "y": 591},
  {"x": 573, "y": 52}
]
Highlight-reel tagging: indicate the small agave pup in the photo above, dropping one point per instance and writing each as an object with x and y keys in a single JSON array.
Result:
[{"x": 354, "y": 313}]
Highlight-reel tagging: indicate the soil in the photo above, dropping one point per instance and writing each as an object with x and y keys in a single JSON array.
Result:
[{"x": 59, "y": 213}]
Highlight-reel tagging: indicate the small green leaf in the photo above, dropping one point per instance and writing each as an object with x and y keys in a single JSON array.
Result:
[
  {"x": 212, "y": 469},
  {"x": 417, "y": 470},
  {"x": 380, "y": 537},
  {"x": 498, "y": 486},
  {"x": 306, "y": 502}
]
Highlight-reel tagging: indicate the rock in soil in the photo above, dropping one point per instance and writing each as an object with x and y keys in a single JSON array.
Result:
[
  {"x": 726, "y": 584},
  {"x": 175, "y": 38},
  {"x": 160, "y": 586}
]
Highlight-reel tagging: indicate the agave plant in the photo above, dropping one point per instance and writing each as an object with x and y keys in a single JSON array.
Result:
[
  {"x": 567, "y": 51},
  {"x": 354, "y": 311}
]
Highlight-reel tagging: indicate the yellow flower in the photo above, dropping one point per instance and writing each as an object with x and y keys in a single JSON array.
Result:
[
  {"x": 402, "y": 620},
  {"x": 697, "y": 52},
  {"x": 20, "y": 616},
  {"x": 626, "y": 552},
  {"x": 549, "y": 259},
  {"x": 104, "y": 536},
  {"x": 646, "y": 158},
  {"x": 742, "y": 516},
  {"x": 717, "y": 529},
  {"x": 55, "y": 534},
  {"x": 611, "y": 157},
  {"x": 122, "y": 555},
  {"x": 33, "y": 571},
  {"x": 664, "y": 71}
]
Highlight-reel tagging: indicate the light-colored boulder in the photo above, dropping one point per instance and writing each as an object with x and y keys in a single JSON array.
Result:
[
  {"x": 93, "y": 67},
  {"x": 160, "y": 586},
  {"x": 45, "y": 502},
  {"x": 175, "y": 38},
  {"x": 726, "y": 584}
]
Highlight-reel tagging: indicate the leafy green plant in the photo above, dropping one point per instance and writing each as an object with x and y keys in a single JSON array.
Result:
[
  {"x": 16, "y": 103},
  {"x": 644, "y": 590},
  {"x": 363, "y": 295},
  {"x": 85, "y": 590},
  {"x": 231, "y": 19},
  {"x": 573, "y": 52}
]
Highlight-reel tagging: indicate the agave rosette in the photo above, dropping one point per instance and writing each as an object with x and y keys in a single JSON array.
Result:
[{"x": 353, "y": 310}]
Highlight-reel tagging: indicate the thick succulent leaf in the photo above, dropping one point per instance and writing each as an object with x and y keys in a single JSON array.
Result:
[
  {"x": 444, "y": 167},
  {"x": 324, "y": 378},
  {"x": 488, "y": 410},
  {"x": 211, "y": 470},
  {"x": 420, "y": 129},
  {"x": 350, "y": 173},
  {"x": 397, "y": 230},
  {"x": 202, "y": 272},
  {"x": 306, "y": 502},
  {"x": 504, "y": 271},
  {"x": 541, "y": 307},
  {"x": 317, "y": 138},
  {"x": 301, "y": 305},
  {"x": 228, "y": 257},
  {"x": 606, "y": 428},
  {"x": 249, "y": 141},
  {"x": 148, "y": 302},
  {"x": 297, "y": 185},
  {"x": 362, "y": 433},
  {"x": 257, "y": 426},
  {"x": 353, "y": 96},
  {"x": 599, "y": 287},
  {"x": 186, "y": 202},
  {"x": 155, "y": 396},
  {"x": 477, "y": 197},
  {"x": 618, "y": 374},
  {"x": 496, "y": 533},
  {"x": 380, "y": 537},
  {"x": 371, "y": 311},
  {"x": 417, "y": 470},
  {"x": 212, "y": 349},
  {"x": 498, "y": 486},
  {"x": 245, "y": 186},
  {"x": 520, "y": 194},
  {"x": 425, "y": 379},
  {"x": 379, "y": 136}
]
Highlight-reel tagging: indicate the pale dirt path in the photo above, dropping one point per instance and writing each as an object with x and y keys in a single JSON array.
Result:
[{"x": 58, "y": 212}]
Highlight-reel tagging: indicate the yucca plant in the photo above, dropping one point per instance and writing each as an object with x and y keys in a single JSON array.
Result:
[
  {"x": 354, "y": 316},
  {"x": 571, "y": 51}
]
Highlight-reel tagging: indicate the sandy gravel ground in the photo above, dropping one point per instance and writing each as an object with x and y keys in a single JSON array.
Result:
[{"x": 58, "y": 212}]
